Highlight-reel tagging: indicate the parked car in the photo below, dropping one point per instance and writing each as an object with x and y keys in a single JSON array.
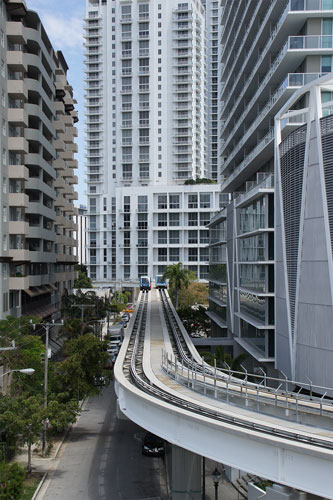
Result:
[
  {"x": 153, "y": 446},
  {"x": 99, "y": 380}
]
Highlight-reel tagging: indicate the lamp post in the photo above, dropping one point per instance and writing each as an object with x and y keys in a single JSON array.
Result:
[
  {"x": 216, "y": 476},
  {"x": 46, "y": 327},
  {"x": 25, "y": 371}
]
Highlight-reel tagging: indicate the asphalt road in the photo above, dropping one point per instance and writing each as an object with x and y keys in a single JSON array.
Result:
[{"x": 102, "y": 459}]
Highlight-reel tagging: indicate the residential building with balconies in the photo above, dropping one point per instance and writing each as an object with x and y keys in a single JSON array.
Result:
[
  {"x": 269, "y": 50},
  {"x": 38, "y": 232},
  {"x": 145, "y": 131}
]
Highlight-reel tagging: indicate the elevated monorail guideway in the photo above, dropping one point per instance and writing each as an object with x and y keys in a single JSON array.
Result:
[{"x": 163, "y": 385}]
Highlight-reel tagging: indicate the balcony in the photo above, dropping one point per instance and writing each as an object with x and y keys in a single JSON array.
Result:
[
  {"x": 126, "y": 124},
  {"x": 143, "y": 35},
  {"x": 143, "y": 52},
  {"x": 254, "y": 189},
  {"x": 293, "y": 80},
  {"x": 311, "y": 42},
  {"x": 265, "y": 142},
  {"x": 126, "y": 54},
  {"x": 126, "y": 106},
  {"x": 126, "y": 89},
  {"x": 18, "y": 200},
  {"x": 16, "y": 60},
  {"x": 299, "y": 5}
]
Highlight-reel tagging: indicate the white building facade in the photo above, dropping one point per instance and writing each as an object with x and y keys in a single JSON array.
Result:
[{"x": 146, "y": 111}]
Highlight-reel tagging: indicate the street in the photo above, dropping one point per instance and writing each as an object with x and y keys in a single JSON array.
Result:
[{"x": 102, "y": 459}]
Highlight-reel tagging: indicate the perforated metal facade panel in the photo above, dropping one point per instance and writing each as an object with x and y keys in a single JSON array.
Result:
[
  {"x": 326, "y": 126},
  {"x": 292, "y": 154}
]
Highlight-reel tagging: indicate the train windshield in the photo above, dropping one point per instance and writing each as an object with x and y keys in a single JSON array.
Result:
[{"x": 145, "y": 281}]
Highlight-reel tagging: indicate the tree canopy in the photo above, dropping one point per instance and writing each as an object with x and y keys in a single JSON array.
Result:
[
  {"x": 195, "y": 293},
  {"x": 82, "y": 281},
  {"x": 179, "y": 277}
]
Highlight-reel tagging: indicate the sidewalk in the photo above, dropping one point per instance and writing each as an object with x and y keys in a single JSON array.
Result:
[
  {"x": 226, "y": 490},
  {"x": 45, "y": 466}
]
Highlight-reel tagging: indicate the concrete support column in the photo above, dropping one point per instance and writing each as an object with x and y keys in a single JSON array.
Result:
[{"x": 185, "y": 475}]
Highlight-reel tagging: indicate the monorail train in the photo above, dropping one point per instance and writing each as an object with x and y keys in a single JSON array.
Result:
[
  {"x": 145, "y": 283},
  {"x": 160, "y": 282}
]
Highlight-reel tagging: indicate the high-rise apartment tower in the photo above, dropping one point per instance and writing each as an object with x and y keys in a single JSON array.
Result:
[
  {"x": 269, "y": 50},
  {"x": 145, "y": 125}
]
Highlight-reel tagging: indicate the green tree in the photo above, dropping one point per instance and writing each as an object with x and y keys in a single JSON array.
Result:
[
  {"x": 196, "y": 293},
  {"x": 60, "y": 414},
  {"x": 82, "y": 281},
  {"x": 85, "y": 359},
  {"x": 29, "y": 420},
  {"x": 179, "y": 278},
  {"x": 93, "y": 308},
  {"x": 11, "y": 481},
  {"x": 28, "y": 352},
  {"x": 9, "y": 409},
  {"x": 194, "y": 320}
]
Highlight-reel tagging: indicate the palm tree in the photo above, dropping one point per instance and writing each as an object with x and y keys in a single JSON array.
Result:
[{"x": 179, "y": 277}]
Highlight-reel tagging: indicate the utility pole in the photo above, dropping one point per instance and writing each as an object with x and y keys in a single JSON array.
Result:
[
  {"x": 82, "y": 307},
  {"x": 46, "y": 327}
]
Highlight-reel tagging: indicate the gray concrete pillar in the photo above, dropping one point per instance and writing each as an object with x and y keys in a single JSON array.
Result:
[{"x": 185, "y": 475}]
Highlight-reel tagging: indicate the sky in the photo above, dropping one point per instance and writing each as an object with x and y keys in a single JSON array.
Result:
[{"x": 63, "y": 22}]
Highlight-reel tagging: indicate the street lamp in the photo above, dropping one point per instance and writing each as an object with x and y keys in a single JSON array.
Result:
[
  {"x": 46, "y": 327},
  {"x": 216, "y": 476},
  {"x": 26, "y": 371}
]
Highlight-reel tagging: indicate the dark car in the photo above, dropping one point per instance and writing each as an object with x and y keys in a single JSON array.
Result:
[{"x": 153, "y": 446}]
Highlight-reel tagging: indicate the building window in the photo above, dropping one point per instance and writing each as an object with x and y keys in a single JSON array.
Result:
[
  {"x": 142, "y": 204},
  {"x": 204, "y": 254},
  {"x": 174, "y": 254},
  {"x": 162, "y": 254},
  {"x": 204, "y": 236},
  {"x": 192, "y": 201},
  {"x": 174, "y": 237},
  {"x": 162, "y": 201},
  {"x": 204, "y": 219},
  {"x": 193, "y": 237},
  {"x": 193, "y": 219},
  {"x": 174, "y": 219},
  {"x": 204, "y": 200},
  {"x": 174, "y": 201},
  {"x": 162, "y": 220},
  {"x": 162, "y": 237},
  {"x": 192, "y": 254},
  {"x": 326, "y": 64}
]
